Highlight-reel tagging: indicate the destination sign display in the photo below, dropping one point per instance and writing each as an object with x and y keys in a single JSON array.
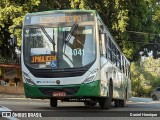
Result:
[
  {"x": 43, "y": 58},
  {"x": 75, "y": 18},
  {"x": 59, "y": 18}
]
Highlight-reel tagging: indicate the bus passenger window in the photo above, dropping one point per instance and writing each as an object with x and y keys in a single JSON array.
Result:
[
  {"x": 126, "y": 68},
  {"x": 118, "y": 59},
  {"x": 109, "y": 52},
  {"x": 109, "y": 42},
  {"x": 113, "y": 54},
  {"x": 106, "y": 45},
  {"x": 122, "y": 64}
]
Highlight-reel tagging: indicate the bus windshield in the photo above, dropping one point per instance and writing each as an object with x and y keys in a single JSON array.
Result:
[{"x": 46, "y": 46}]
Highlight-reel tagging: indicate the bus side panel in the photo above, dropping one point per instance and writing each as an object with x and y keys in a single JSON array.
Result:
[
  {"x": 119, "y": 84},
  {"x": 109, "y": 72},
  {"x": 106, "y": 74}
]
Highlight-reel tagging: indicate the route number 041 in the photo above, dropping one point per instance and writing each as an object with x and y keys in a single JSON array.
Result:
[{"x": 78, "y": 52}]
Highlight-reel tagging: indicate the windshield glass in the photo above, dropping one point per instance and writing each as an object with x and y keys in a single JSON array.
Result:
[{"x": 47, "y": 48}]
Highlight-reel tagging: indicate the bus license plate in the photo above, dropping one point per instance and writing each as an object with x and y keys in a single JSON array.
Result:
[{"x": 59, "y": 94}]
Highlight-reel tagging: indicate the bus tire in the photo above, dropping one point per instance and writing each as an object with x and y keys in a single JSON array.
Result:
[
  {"x": 90, "y": 104},
  {"x": 53, "y": 102},
  {"x": 123, "y": 102},
  {"x": 105, "y": 103},
  {"x": 117, "y": 103}
]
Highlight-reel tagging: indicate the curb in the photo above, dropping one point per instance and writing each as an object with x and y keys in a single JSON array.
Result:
[{"x": 12, "y": 95}]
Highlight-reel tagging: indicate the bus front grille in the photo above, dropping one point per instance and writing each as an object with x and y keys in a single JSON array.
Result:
[{"x": 68, "y": 90}]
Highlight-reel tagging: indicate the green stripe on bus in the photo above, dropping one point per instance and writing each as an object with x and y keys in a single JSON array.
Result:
[{"x": 90, "y": 90}]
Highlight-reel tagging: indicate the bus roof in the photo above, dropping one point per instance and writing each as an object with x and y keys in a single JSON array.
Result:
[{"x": 61, "y": 11}]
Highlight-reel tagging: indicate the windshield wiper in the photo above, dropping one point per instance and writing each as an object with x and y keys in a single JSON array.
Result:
[
  {"x": 70, "y": 34},
  {"x": 45, "y": 32}
]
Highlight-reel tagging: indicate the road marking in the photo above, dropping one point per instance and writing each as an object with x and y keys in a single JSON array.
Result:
[
  {"x": 2, "y": 108},
  {"x": 18, "y": 98},
  {"x": 6, "y": 113}
]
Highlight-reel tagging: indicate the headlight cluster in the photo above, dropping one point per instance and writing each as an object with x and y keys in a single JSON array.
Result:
[
  {"x": 28, "y": 79},
  {"x": 91, "y": 76}
]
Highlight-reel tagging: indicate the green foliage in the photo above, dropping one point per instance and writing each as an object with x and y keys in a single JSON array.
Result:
[
  {"x": 145, "y": 76},
  {"x": 11, "y": 14},
  {"x": 120, "y": 16}
]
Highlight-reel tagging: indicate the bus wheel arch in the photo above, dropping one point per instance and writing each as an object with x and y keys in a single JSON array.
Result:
[{"x": 105, "y": 102}]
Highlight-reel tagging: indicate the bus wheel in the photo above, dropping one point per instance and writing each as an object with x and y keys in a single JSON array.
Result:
[
  {"x": 117, "y": 103},
  {"x": 105, "y": 103},
  {"x": 53, "y": 102},
  {"x": 123, "y": 102},
  {"x": 90, "y": 104}
]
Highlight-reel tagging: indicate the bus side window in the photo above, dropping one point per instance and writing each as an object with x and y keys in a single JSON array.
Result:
[
  {"x": 109, "y": 52},
  {"x": 122, "y": 64},
  {"x": 126, "y": 68},
  {"x": 113, "y": 54},
  {"x": 129, "y": 73},
  {"x": 106, "y": 46},
  {"x": 118, "y": 59}
]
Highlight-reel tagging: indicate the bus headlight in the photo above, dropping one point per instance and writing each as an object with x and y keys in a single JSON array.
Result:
[
  {"x": 27, "y": 79},
  {"x": 91, "y": 76}
]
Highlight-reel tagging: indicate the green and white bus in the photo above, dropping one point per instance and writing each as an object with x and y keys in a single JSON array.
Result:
[{"x": 70, "y": 55}]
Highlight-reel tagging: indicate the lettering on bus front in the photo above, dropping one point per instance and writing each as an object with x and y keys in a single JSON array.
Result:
[
  {"x": 59, "y": 18},
  {"x": 49, "y": 19},
  {"x": 43, "y": 59}
]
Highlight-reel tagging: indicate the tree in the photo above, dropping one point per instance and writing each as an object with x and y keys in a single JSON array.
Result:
[
  {"x": 122, "y": 18},
  {"x": 154, "y": 44},
  {"x": 11, "y": 14},
  {"x": 145, "y": 76}
]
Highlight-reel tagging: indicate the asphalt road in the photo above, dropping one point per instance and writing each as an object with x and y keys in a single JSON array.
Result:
[{"x": 136, "y": 108}]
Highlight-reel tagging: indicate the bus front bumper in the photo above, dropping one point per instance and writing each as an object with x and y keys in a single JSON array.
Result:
[{"x": 46, "y": 92}]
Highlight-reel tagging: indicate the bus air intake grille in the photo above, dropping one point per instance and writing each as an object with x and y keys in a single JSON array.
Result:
[
  {"x": 50, "y": 73},
  {"x": 68, "y": 90},
  {"x": 57, "y": 74}
]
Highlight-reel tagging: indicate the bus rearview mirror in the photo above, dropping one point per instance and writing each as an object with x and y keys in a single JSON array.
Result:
[{"x": 103, "y": 38}]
